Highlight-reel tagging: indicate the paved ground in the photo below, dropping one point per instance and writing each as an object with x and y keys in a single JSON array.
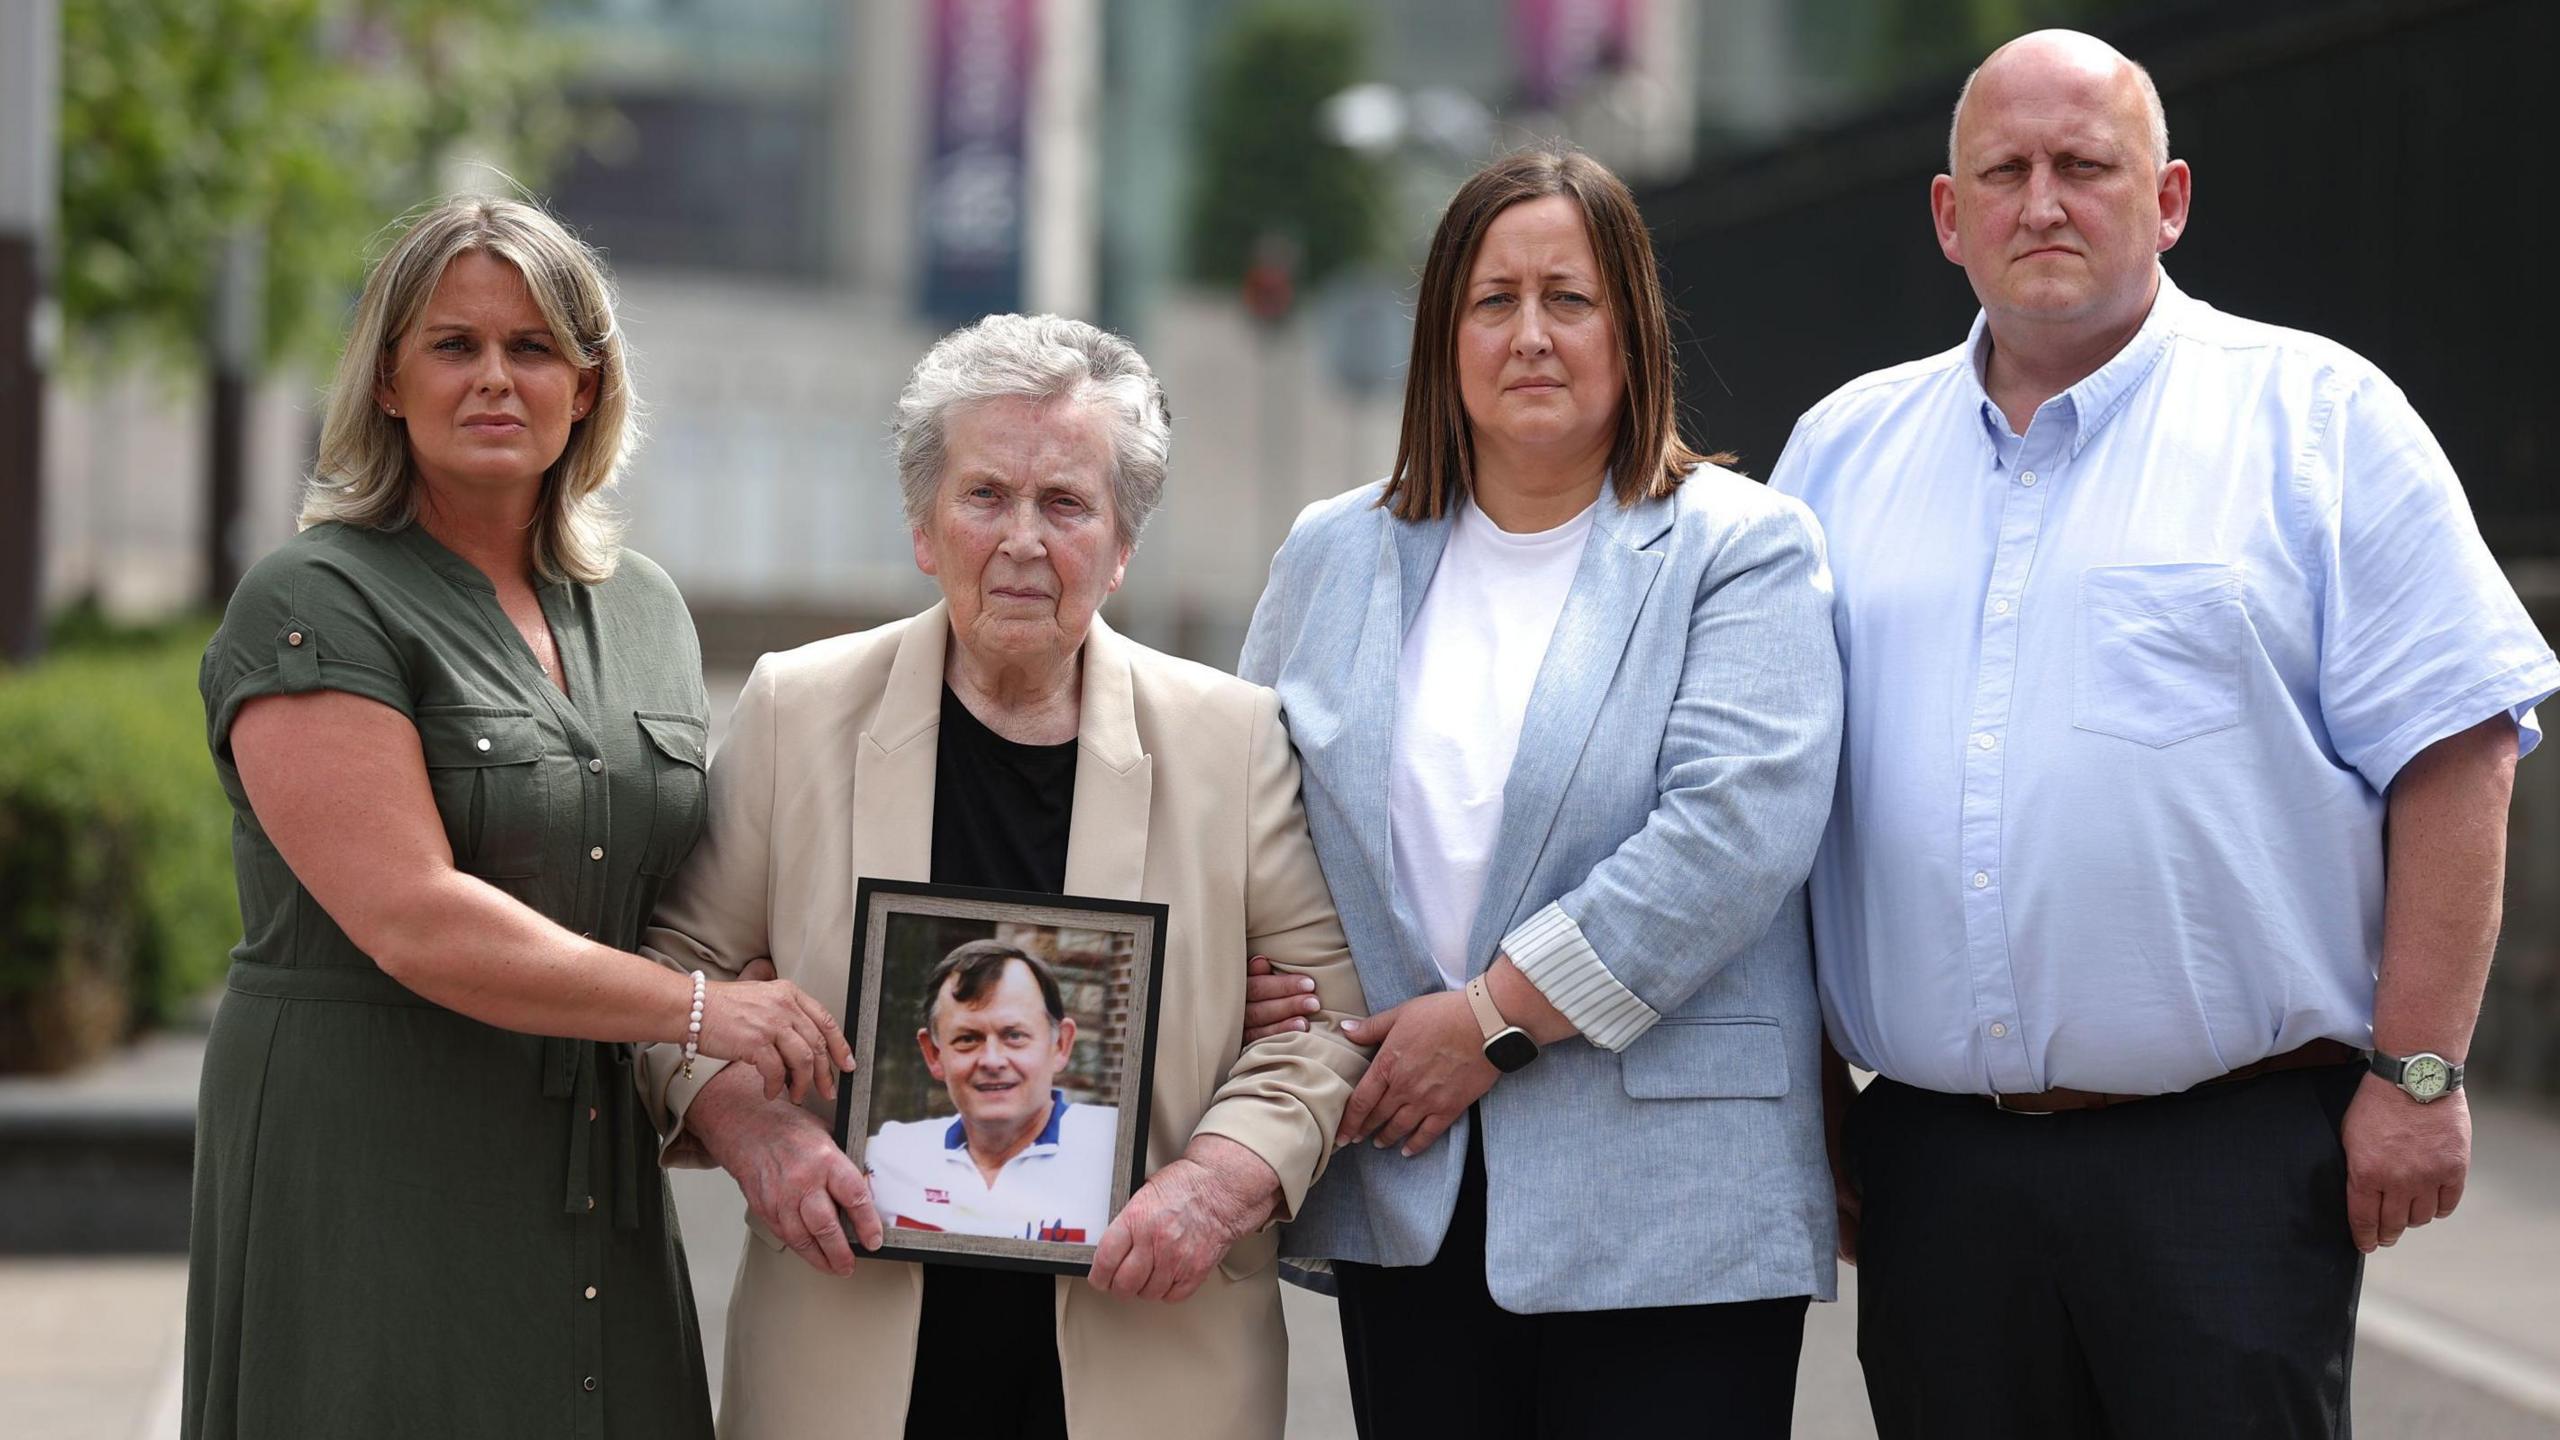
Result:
[{"x": 2460, "y": 1336}]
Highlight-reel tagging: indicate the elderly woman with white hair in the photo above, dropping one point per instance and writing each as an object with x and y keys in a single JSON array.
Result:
[
  {"x": 462, "y": 735},
  {"x": 1007, "y": 737}
]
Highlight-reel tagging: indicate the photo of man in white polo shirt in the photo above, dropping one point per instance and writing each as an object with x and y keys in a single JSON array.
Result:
[{"x": 1020, "y": 1161}]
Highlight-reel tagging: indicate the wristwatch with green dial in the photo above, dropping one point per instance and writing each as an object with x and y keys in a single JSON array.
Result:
[{"x": 2426, "y": 1076}]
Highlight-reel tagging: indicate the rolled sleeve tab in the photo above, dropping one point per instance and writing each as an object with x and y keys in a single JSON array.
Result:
[
  {"x": 1551, "y": 952},
  {"x": 297, "y": 656}
]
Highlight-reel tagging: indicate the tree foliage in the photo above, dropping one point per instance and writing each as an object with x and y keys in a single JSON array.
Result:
[
  {"x": 1266, "y": 168},
  {"x": 304, "y": 123},
  {"x": 1926, "y": 39}
]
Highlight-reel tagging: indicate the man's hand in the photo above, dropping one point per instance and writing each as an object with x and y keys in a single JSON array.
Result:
[
  {"x": 797, "y": 1183},
  {"x": 1180, "y": 1224},
  {"x": 2406, "y": 1162},
  {"x": 1430, "y": 1067}
]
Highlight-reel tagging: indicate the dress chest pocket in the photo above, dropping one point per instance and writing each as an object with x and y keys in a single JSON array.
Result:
[
  {"x": 676, "y": 771},
  {"x": 2159, "y": 651},
  {"x": 484, "y": 766}
]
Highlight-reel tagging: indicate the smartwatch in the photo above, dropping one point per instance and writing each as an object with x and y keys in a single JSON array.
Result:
[
  {"x": 1505, "y": 1044},
  {"x": 2425, "y": 1077}
]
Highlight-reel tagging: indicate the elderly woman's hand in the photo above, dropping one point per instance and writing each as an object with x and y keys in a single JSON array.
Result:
[
  {"x": 1165, "y": 1240},
  {"x": 779, "y": 1029},
  {"x": 1429, "y": 1068},
  {"x": 798, "y": 1185},
  {"x": 1274, "y": 1003}
]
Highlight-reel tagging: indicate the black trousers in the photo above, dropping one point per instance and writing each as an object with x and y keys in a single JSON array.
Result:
[
  {"x": 2173, "y": 1267},
  {"x": 1430, "y": 1354},
  {"x": 972, "y": 1315}
]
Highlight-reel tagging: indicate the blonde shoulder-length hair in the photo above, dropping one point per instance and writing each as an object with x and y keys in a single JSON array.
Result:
[{"x": 364, "y": 475}]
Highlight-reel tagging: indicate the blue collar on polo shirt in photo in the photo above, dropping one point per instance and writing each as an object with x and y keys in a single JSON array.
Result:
[
  {"x": 1057, "y": 1188},
  {"x": 957, "y": 1136},
  {"x": 2125, "y": 694}
]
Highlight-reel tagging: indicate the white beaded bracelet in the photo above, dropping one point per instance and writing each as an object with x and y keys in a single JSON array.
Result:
[{"x": 693, "y": 1027}]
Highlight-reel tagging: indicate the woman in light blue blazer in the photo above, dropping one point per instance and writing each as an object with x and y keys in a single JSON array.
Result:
[{"x": 1568, "y": 705}]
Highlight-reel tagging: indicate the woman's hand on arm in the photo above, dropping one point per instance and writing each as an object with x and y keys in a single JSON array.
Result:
[
  {"x": 1438, "y": 1067},
  {"x": 1276, "y": 1003},
  {"x": 339, "y": 784},
  {"x": 1165, "y": 1241},
  {"x": 798, "y": 1184},
  {"x": 1429, "y": 1068}
]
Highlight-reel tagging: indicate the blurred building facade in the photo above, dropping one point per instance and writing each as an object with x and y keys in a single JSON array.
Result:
[{"x": 798, "y": 195}]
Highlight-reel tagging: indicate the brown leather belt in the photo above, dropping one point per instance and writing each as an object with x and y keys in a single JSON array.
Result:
[{"x": 2054, "y": 1102}]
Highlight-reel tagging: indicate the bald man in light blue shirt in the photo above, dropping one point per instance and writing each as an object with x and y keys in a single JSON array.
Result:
[{"x": 2183, "y": 704}]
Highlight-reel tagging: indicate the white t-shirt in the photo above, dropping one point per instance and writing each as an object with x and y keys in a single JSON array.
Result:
[
  {"x": 1058, "y": 1188},
  {"x": 1462, "y": 689}
]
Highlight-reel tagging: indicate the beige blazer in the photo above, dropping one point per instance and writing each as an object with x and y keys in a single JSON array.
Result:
[{"x": 1187, "y": 794}]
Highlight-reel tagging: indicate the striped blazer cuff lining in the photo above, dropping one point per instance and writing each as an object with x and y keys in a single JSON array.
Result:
[{"x": 1551, "y": 953}]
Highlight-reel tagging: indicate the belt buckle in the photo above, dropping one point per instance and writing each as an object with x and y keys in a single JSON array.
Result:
[{"x": 2000, "y": 1103}]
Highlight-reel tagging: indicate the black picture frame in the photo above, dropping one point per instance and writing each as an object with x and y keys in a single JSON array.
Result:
[{"x": 899, "y": 929}]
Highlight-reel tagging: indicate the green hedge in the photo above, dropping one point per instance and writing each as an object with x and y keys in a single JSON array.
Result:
[{"x": 115, "y": 852}]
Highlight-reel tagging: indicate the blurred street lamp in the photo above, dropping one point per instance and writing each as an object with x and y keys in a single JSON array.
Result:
[
  {"x": 1369, "y": 118},
  {"x": 1378, "y": 119},
  {"x": 1270, "y": 295},
  {"x": 238, "y": 301},
  {"x": 30, "y": 50}
]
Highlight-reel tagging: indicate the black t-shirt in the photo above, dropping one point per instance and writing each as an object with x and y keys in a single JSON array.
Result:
[
  {"x": 1000, "y": 818},
  {"x": 1000, "y": 810}
]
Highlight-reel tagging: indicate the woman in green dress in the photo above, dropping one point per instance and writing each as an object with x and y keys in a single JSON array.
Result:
[{"x": 462, "y": 733}]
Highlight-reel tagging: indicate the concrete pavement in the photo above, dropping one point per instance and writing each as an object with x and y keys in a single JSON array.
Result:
[{"x": 2460, "y": 1328}]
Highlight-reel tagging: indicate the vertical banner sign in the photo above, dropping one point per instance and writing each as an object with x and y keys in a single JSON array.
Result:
[
  {"x": 1562, "y": 44},
  {"x": 974, "y": 202}
]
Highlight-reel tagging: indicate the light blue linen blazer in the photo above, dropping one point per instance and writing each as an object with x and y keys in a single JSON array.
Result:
[{"x": 1673, "y": 777}]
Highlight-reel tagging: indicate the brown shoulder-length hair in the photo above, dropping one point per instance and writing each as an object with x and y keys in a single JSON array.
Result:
[{"x": 1435, "y": 454}]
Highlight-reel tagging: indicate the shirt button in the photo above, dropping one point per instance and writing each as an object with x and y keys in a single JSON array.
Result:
[
  {"x": 480, "y": 744},
  {"x": 591, "y": 1114},
  {"x": 596, "y": 854},
  {"x": 1981, "y": 879},
  {"x": 1984, "y": 741},
  {"x": 1999, "y": 607},
  {"x": 591, "y": 1292},
  {"x": 2027, "y": 478},
  {"x": 589, "y": 1384},
  {"x": 591, "y": 1202},
  {"x": 595, "y": 766},
  {"x": 295, "y": 638},
  {"x": 1998, "y": 1031}
]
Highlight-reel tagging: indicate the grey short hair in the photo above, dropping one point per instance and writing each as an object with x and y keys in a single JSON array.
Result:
[
  {"x": 1037, "y": 357},
  {"x": 2152, "y": 110}
]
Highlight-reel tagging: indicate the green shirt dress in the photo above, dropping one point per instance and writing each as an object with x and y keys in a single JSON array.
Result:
[{"x": 408, "y": 1222}]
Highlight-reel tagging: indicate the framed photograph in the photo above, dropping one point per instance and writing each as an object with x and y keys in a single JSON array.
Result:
[{"x": 1006, "y": 1045}]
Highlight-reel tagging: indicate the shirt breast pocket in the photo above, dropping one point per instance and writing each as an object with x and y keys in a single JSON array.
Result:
[
  {"x": 677, "y": 775},
  {"x": 484, "y": 767},
  {"x": 2159, "y": 651}
]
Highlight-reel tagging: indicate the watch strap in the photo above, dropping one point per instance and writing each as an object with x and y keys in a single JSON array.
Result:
[
  {"x": 1488, "y": 1015},
  {"x": 2394, "y": 1069}
]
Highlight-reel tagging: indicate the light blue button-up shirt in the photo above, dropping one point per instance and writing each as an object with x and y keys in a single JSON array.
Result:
[{"x": 2125, "y": 695}]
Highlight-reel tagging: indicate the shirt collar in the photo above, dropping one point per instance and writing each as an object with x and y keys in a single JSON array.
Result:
[
  {"x": 957, "y": 1137},
  {"x": 2097, "y": 398}
]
